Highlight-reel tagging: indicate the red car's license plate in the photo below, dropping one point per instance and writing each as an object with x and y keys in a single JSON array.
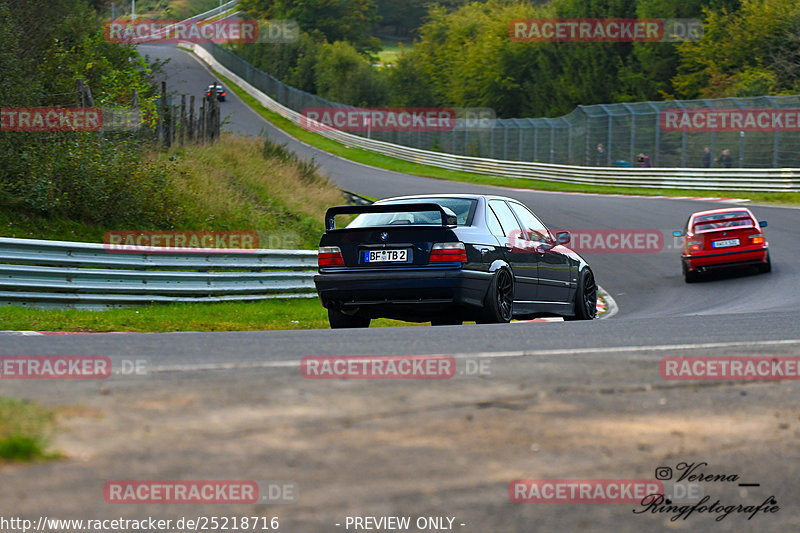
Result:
[{"x": 725, "y": 243}]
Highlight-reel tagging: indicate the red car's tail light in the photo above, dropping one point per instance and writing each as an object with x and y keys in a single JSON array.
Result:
[
  {"x": 695, "y": 246},
  {"x": 330, "y": 256},
  {"x": 448, "y": 252},
  {"x": 758, "y": 238}
]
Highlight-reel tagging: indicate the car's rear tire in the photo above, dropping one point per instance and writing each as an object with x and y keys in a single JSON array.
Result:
[
  {"x": 586, "y": 296},
  {"x": 499, "y": 304},
  {"x": 446, "y": 321},
  {"x": 765, "y": 267},
  {"x": 690, "y": 276},
  {"x": 339, "y": 320}
]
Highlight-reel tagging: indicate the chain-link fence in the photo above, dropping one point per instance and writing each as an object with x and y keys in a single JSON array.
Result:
[{"x": 622, "y": 135}]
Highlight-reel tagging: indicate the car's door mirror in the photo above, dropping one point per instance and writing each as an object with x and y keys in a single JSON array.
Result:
[
  {"x": 763, "y": 223},
  {"x": 563, "y": 237},
  {"x": 677, "y": 234}
]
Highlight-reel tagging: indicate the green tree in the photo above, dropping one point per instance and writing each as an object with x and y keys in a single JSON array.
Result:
[
  {"x": 292, "y": 63},
  {"x": 345, "y": 76},
  {"x": 334, "y": 20},
  {"x": 752, "y": 51}
]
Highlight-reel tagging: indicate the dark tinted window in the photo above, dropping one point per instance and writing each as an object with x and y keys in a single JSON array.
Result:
[{"x": 464, "y": 208}]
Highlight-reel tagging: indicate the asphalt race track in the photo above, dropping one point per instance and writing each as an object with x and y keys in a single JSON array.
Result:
[{"x": 563, "y": 400}]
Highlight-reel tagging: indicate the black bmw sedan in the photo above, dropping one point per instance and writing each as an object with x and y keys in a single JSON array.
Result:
[{"x": 449, "y": 258}]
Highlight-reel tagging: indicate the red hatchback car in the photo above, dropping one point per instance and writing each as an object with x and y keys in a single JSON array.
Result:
[{"x": 723, "y": 238}]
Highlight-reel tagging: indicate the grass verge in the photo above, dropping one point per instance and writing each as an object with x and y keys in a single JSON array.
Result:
[
  {"x": 290, "y": 313},
  {"x": 398, "y": 165},
  {"x": 24, "y": 427}
]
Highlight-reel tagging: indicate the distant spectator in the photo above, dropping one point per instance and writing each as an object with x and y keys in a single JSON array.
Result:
[
  {"x": 644, "y": 161},
  {"x": 725, "y": 158},
  {"x": 602, "y": 156},
  {"x": 706, "y": 157}
]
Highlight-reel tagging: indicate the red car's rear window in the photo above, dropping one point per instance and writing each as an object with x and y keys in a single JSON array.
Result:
[{"x": 731, "y": 219}]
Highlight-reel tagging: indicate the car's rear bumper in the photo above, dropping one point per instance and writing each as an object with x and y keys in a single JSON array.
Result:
[
  {"x": 733, "y": 258},
  {"x": 407, "y": 294}
]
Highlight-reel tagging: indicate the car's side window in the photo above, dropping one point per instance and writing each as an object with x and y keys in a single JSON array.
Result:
[
  {"x": 508, "y": 223},
  {"x": 492, "y": 223},
  {"x": 534, "y": 228}
]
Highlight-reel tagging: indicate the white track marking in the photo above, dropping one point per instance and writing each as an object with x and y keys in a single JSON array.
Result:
[{"x": 493, "y": 355}]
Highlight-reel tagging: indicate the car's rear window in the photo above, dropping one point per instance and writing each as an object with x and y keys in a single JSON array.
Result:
[
  {"x": 464, "y": 208},
  {"x": 730, "y": 219}
]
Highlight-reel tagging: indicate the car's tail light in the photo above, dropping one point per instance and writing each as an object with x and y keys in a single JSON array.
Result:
[
  {"x": 330, "y": 256},
  {"x": 448, "y": 252},
  {"x": 695, "y": 246},
  {"x": 757, "y": 238},
  {"x": 223, "y": 94}
]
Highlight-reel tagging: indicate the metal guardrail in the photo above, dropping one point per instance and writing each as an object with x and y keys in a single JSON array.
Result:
[
  {"x": 201, "y": 16},
  {"x": 215, "y": 11},
  {"x": 762, "y": 180},
  {"x": 60, "y": 274}
]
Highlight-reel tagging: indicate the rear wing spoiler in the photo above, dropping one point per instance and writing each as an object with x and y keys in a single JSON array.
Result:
[{"x": 449, "y": 218}]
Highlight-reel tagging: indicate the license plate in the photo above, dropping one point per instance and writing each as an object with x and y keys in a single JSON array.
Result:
[
  {"x": 385, "y": 256},
  {"x": 725, "y": 244}
]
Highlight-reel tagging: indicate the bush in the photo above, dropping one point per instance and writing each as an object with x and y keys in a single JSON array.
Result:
[{"x": 85, "y": 178}]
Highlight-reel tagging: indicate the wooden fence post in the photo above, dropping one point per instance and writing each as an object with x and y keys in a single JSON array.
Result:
[
  {"x": 163, "y": 119},
  {"x": 183, "y": 119},
  {"x": 84, "y": 94},
  {"x": 201, "y": 122},
  {"x": 191, "y": 118}
]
